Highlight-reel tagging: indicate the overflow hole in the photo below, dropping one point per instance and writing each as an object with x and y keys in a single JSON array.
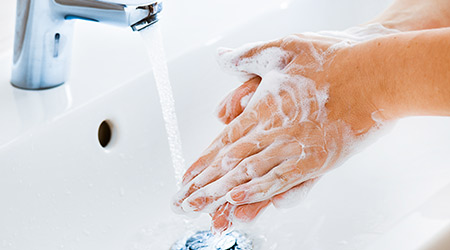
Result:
[
  {"x": 104, "y": 134},
  {"x": 56, "y": 46}
]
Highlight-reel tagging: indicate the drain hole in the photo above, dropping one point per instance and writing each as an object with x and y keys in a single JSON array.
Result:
[
  {"x": 203, "y": 240},
  {"x": 104, "y": 133}
]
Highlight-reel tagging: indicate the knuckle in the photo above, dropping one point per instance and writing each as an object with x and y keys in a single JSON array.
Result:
[
  {"x": 297, "y": 169},
  {"x": 202, "y": 161},
  {"x": 247, "y": 170},
  {"x": 258, "y": 189},
  {"x": 281, "y": 177},
  {"x": 225, "y": 139},
  {"x": 289, "y": 41},
  {"x": 227, "y": 163}
]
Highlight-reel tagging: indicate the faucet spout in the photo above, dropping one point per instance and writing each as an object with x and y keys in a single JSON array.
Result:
[
  {"x": 44, "y": 34},
  {"x": 106, "y": 12},
  {"x": 151, "y": 17}
]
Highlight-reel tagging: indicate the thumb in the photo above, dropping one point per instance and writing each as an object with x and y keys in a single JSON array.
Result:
[
  {"x": 235, "y": 102},
  {"x": 221, "y": 220}
]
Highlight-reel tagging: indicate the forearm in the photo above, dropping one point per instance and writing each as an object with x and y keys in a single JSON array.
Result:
[
  {"x": 409, "y": 15},
  {"x": 411, "y": 72}
]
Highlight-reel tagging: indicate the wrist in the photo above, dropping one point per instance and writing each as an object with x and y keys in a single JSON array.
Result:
[
  {"x": 404, "y": 74},
  {"x": 359, "y": 94}
]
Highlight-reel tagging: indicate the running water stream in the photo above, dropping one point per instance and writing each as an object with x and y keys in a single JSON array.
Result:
[
  {"x": 153, "y": 41},
  {"x": 202, "y": 240}
]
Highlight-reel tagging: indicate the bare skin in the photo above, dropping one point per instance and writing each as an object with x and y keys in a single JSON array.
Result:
[
  {"x": 392, "y": 76},
  {"x": 411, "y": 15}
]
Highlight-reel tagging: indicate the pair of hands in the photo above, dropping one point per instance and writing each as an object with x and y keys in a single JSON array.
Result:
[
  {"x": 309, "y": 99},
  {"x": 291, "y": 122}
]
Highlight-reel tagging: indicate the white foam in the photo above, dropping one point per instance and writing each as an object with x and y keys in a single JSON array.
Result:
[
  {"x": 294, "y": 196},
  {"x": 246, "y": 99},
  {"x": 234, "y": 62}
]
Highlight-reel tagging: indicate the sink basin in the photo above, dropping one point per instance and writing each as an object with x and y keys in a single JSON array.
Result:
[{"x": 61, "y": 189}]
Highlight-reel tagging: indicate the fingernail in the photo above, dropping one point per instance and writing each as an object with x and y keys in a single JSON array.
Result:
[
  {"x": 241, "y": 214},
  {"x": 185, "y": 180},
  {"x": 238, "y": 196},
  {"x": 186, "y": 206},
  {"x": 198, "y": 203},
  {"x": 176, "y": 207},
  {"x": 220, "y": 225}
]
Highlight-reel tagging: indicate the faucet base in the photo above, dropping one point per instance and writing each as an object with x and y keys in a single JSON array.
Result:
[
  {"x": 42, "y": 46},
  {"x": 36, "y": 89},
  {"x": 44, "y": 32}
]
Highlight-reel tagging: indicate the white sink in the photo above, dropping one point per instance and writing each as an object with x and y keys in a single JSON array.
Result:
[{"x": 60, "y": 189}]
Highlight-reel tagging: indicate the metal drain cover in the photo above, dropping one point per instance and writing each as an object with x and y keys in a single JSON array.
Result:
[{"x": 205, "y": 240}]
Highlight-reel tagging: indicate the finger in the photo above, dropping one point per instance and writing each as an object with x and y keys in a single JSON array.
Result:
[
  {"x": 230, "y": 134},
  {"x": 221, "y": 220},
  {"x": 251, "y": 167},
  {"x": 233, "y": 105},
  {"x": 255, "y": 58},
  {"x": 287, "y": 199},
  {"x": 201, "y": 163},
  {"x": 294, "y": 195},
  {"x": 281, "y": 178},
  {"x": 249, "y": 212},
  {"x": 202, "y": 192}
]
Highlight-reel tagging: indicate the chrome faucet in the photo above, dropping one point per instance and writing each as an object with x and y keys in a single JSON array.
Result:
[{"x": 44, "y": 29}]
